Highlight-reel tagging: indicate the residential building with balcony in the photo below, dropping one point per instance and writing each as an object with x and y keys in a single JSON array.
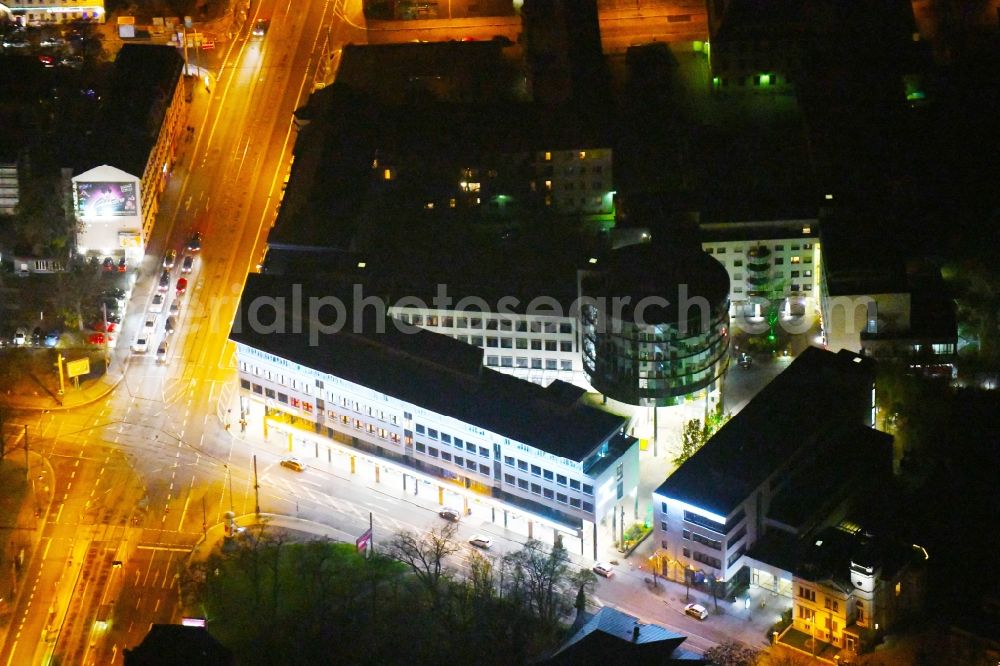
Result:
[
  {"x": 654, "y": 324},
  {"x": 793, "y": 460},
  {"x": 770, "y": 264},
  {"x": 423, "y": 403}
]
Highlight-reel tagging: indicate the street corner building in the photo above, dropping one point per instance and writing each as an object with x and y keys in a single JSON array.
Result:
[{"x": 415, "y": 407}]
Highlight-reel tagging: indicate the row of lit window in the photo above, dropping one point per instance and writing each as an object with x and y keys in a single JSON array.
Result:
[
  {"x": 548, "y": 493},
  {"x": 794, "y": 247},
  {"x": 529, "y": 363},
  {"x": 571, "y": 154},
  {"x": 548, "y": 475},
  {"x": 505, "y": 324}
]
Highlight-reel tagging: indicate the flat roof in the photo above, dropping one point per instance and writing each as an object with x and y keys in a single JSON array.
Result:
[
  {"x": 142, "y": 89},
  {"x": 817, "y": 389},
  {"x": 423, "y": 368}
]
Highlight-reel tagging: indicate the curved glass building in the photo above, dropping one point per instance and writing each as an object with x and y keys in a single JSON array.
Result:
[{"x": 654, "y": 324}]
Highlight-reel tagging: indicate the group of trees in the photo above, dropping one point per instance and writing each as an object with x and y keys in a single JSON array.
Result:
[
  {"x": 696, "y": 432},
  {"x": 272, "y": 600}
]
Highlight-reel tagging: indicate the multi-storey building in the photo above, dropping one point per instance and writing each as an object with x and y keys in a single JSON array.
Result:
[
  {"x": 770, "y": 264},
  {"x": 42, "y": 12},
  {"x": 873, "y": 304},
  {"x": 10, "y": 190},
  {"x": 576, "y": 181},
  {"x": 132, "y": 151},
  {"x": 425, "y": 403},
  {"x": 769, "y": 469}
]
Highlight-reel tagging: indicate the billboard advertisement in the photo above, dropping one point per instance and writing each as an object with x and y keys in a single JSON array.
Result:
[{"x": 106, "y": 199}]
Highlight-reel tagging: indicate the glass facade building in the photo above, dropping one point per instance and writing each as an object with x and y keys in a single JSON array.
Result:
[{"x": 654, "y": 324}]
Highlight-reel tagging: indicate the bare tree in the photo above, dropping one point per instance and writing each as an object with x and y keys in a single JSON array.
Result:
[
  {"x": 482, "y": 579},
  {"x": 425, "y": 554},
  {"x": 544, "y": 577}
]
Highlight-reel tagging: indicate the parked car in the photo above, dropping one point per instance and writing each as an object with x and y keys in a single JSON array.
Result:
[
  {"x": 52, "y": 338},
  {"x": 182, "y": 285},
  {"x": 157, "y": 304},
  {"x": 293, "y": 464},
  {"x": 122, "y": 265},
  {"x": 108, "y": 265},
  {"x": 72, "y": 61},
  {"x": 20, "y": 337},
  {"x": 169, "y": 259},
  {"x": 164, "y": 282},
  {"x": 149, "y": 325},
  {"x": 480, "y": 541},
  {"x": 452, "y": 515},
  {"x": 116, "y": 293},
  {"x": 696, "y": 610},
  {"x": 175, "y": 307},
  {"x": 604, "y": 569},
  {"x": 141, "y": 344},
  {"x": 187, "y": 264},
  {"x": 37, "y": 337},
  {"x": 745, "y": 360},
  {"x": 170, "y": 325},
  {"x": 194, "y": 243}
]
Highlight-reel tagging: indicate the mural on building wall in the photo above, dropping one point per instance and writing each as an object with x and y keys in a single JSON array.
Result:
[{"x": 106, "y": 199}]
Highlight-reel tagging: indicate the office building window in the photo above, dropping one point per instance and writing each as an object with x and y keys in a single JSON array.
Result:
[
  {"x": 522, "y": 465},
  {"x": 432, "y": 433},
  {"x": 561, "y": 497},
  {"x": 560, "y": 479},
  {"x": 536, "y": 489},
  {"x": 536, "y": 470},
  {"x": 484, "y": 469},
  {"x": 508, "y": 460},
  {"x": 509, "y": 478},
  {"x": 574, "y": 502},
  {"x": 547, "y": 493},
  {"x": 574, "y": 484},
  {"x": 588, "y": 507},
  {"x": 522, "y": 484},
  {"x": 588, "y": 489},
  {"x": 483, "y": 451},
  {"x": 433, "y": 452},
  {"x": 421, "y": 448}
]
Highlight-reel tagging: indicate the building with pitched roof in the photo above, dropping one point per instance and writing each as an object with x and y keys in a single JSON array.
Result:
[{"x": 611, "y": 637}]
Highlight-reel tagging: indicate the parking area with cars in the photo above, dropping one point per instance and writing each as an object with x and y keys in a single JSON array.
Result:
[{"x": 163, "y": 312}]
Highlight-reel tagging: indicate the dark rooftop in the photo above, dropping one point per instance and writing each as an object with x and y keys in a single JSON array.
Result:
[
  {"x": 749, "y": 232},
  {"x": 422, "y": 368},
  {"x": 610, "y": 637},
  {"x": 819, "y": 393},
  {"x": 175, "y": 644},
  {"x": 654, "y": 270},
  {"x": 144, "y": 81},
  {"x": 862, "y": 456}
]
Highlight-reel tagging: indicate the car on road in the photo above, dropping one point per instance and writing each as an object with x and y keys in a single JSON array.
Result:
[
  {"x": 164, "y": 282},
  {"x": 480, "y": 541},
  {"x": 194, "y": 243},
  {"x": 293, "y": 464},
  {"x": 696, "y": 611},
  {"x": 603, "y": 569},
  {"x": 169, "y": 259},
  {"x": 52, "y": 338},
  {"x": 161, "y": 352},
  {"x": 157, "y": 304},
  {"x": 141, "y": 344},
  {"x": 149, "y": 325},
  {"x": 452, "y": 515},
  {"x": 72, "y": 61},
  {"x": 745, "y": 360},
  {"x": 260, "y": 27},
  {"x": 175, "y": 307},
  {"x": 97, "y": 338},
  {"x": 187, "y": 264},
  {"x": 20, "y": 337},
  {"x": 182, "y": 285},
  {"x": 170, "y": 325}
]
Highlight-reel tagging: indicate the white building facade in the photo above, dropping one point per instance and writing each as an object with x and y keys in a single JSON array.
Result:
[
  {"x": 545, "y": 495},
  {"x": 30, "y": 12},
  {"x": 536, "y": 347}
]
